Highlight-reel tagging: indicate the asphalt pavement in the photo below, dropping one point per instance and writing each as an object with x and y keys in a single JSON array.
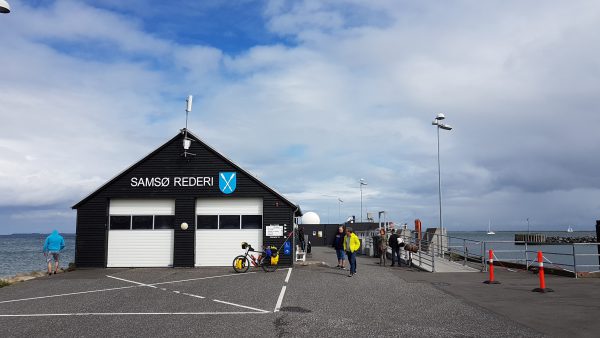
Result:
[{"x": 319, "y": 300}]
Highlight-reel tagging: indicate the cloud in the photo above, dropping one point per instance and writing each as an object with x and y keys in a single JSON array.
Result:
[{"x": 338, "y": 90}]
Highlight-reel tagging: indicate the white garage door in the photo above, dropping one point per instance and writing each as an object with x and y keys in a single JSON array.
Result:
[
  {"x": 222, "y": 225},
  {"x": 140, "y": 233}
]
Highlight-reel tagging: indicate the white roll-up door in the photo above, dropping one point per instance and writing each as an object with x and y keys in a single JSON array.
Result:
[
  {"x": 218, "y": 240},
  {"x": 140, "y": 233}
]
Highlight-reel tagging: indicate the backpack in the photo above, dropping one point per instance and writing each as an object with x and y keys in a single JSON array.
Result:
[{"x": 400, "y": 242}]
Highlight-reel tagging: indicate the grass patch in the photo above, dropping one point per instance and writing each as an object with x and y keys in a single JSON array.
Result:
[{"x": 4, "y": 283}]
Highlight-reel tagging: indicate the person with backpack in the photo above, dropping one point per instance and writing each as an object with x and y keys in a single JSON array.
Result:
[
  {"x": 394, "y": 243},
  {"x": 338, "y": 245}
]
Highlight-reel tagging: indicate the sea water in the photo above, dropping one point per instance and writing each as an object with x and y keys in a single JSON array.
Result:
[
  {"x": 556, "y": 255},
  {"x": 22, "y": 253}
]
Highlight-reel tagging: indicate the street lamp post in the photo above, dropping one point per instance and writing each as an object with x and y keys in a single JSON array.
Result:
[
  {"x": 439, "y": 125},
  {"x": 340, "y": 201},
  {"x": 362, "y": 182}
]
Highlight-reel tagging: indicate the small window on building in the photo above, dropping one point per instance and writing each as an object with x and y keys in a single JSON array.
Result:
[
  {"x": 207, "y": 222},
  {"x": 120, "y": 222},
  {"x": 229, "y": 222},
  {"x": 251, "y": 222},
  {"x": 164, "y": 222},
  {"x": 141, "y": 222}
]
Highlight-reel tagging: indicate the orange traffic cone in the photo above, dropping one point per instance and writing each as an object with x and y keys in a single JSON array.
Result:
[
  {"x": 491, "y": 260},
  {"x": 542, "y": 288}
]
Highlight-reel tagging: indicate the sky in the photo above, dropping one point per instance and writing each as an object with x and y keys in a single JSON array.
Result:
[{"x": 310, "y": 96}]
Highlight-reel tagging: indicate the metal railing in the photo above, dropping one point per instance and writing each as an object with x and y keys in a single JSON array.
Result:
[
  {"x": 422, "y": 259},
  {"x": 557, "y": 255},
  {"x": 474, "y": 253}
]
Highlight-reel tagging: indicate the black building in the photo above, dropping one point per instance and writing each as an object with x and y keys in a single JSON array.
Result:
[{"x": 137, "y": 218}]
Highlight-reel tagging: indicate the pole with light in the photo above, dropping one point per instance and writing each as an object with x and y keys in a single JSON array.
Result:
[
  {"x": 340, "y": 201},
  {"x": 439, "y": 125},
  {"x": 362, "y": 182}
]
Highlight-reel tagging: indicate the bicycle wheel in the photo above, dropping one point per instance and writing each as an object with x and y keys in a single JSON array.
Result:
[
  {"x": 241, "y": 264},
  {"x": 265, "y": 262}
]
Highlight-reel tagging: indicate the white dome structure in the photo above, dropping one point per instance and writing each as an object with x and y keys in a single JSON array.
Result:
[{"x": 311, "y": 218}]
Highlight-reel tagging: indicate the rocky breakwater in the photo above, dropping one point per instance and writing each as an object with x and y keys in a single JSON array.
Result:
[{"x": 570, "y": 240}]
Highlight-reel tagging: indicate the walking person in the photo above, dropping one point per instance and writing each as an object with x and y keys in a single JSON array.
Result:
[
  {"x": 338, "y": 244},
  {"x": 301, "y": 239},
  {"x": 383, "y": 245},
  {"x": 351, "y": 245},
  {"x": 52, "y": 247},
  {"x": 395, "y": 245}
]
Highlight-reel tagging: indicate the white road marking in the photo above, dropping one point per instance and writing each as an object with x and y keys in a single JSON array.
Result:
[
  {"x": 133, "y": 314},
  {"x": 287, "y": 278},
  {"x": 191, "y": 295},
  {"x": 243, "y": 306},
  {"x": 176, "y": 291},
  {"x": 127, "y": 280},
  {"x": 200, "y": 278},
  {"x": 68, "y": 294},
  {"x": 138, "y": 284},
  {"x": 280, "y": 299}
]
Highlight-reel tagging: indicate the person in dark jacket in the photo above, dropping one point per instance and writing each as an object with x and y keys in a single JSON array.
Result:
[
  {"x": 301, "y": 239},
  {"x": 338, "y": 245},
  {"x": 395, "y": 245}
]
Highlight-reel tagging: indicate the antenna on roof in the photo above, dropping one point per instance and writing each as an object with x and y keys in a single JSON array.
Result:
[{"x": 186, "y": 141}]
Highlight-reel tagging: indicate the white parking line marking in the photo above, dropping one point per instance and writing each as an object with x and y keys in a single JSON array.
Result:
[
  {"x": 201, "y": 278},
  {"x": 243, "y": 306},
  {"x": 280, "y": 299},
  {"x": 68, "y": 294},
  {"x": 191, "y": 295},
  {"x": 133, "y": 314},
  {"x": 138, "y": 284},
  {"x": 282, "y": 293},
  {"x": 127, "y": 280},
  {"x": 176, "y": 291},
  {"x": 287, "y": 278}
]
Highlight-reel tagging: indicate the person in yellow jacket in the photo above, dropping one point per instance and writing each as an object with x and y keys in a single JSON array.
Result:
[{"x": 351, "y": 246}]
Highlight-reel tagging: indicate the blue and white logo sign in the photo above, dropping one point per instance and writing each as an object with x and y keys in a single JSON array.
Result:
[{"x": 227, "y": 182}]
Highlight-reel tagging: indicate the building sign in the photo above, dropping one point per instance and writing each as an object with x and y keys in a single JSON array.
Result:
[
  {"x": 201, "y": 181},
  {"x": 274, "y": 230},
  {"x": 227, "y": 182}
]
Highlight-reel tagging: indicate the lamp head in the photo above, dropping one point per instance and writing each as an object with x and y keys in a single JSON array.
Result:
[
  {"x": 434, "y": 122},
  {"x": 440, "y": 116},
  {"x": 187, "y": 143},
  {"x": 4, "y": 7},
  {"x": 446, "y": 126}
]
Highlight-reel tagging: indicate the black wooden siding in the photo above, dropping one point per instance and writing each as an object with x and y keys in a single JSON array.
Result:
[{"x": 166, "y": 161}]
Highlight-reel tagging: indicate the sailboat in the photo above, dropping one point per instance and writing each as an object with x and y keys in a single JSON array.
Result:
[
  {"x": 570, "y": 229},
  {"x": 490, "y": 232}
]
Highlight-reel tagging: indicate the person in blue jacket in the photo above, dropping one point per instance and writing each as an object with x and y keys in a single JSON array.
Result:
[{"x": 52, "y": 247}]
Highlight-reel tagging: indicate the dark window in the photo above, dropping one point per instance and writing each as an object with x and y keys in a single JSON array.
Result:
[
  {"x": 229, "y": 222},
  {"x": 207, "y": 221},
  {"x": 141, "y": 222},
  {"x": 251, "y": 222},
  {"x": 164, "y": 222},
  {"x": 120, "y": 222}
]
